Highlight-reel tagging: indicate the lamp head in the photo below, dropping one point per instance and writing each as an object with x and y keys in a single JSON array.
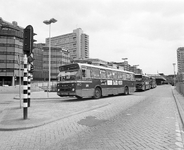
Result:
[{"x": 52, "y": 20}]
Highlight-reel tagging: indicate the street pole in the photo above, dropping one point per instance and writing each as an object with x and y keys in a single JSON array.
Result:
[
  {"x": 49, "y": 57},
  {"x": 174, "y": 74},
  {"x": 19, "y": 63},
  {"x": 48, "y": 22},
  {"x": 20, "y": 81}
]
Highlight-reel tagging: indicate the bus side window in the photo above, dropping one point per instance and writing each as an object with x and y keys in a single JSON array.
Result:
[
  {"x": 86, "y": 73},
  {"x": 95, "y": 73},
  {"x": 103, "y": 74},
  {"x": 114, "y": 75},
  {"x": 132, "y": 77},
  {"x": 128, "y": 76},
  {"x": 124, "y": 76},
  {"x": 109, "y": 74},
  {"x": 119, "y": 75},
  {"x": 83, "y": 73}
]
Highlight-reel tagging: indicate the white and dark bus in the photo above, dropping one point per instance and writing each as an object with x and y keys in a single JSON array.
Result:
[
  {"x": 86, "y": 80},
  {"x": 142, "y": 82}
]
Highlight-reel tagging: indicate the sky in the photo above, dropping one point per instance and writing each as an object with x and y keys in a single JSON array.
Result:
[{"x": 147, "y": 32}]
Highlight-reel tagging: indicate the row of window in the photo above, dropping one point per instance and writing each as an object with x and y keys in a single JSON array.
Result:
[
  {"x": 10, "y": 45},
  {"x": 7, "y": 70},
  {"x": 9, "y": 61},
  {"x": 63, "y": 40},
  {"x": 90, "y": 72},
  {"x": 57, "y": 56},
  {"x": 11, "y": 37},
  {"x": 10, "y": 53},
  {"x": 52, "y": 67},
  {"x": 53, "y": 49},
  {"x": 55, "y": 62}
]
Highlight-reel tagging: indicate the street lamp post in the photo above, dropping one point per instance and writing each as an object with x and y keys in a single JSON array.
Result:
[
  {"x": 48, "y": 22},
  {"x": 124, "y": 59},
  {"x": 124, "y": 65},
  {"x": 174, "y": 73}
]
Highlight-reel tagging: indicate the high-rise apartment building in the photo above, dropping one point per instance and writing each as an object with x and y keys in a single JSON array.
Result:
[
  {"x": 77, "y": 43},
  {"x": 180, "y": 59},
  {"x": 84, "y": 46}
]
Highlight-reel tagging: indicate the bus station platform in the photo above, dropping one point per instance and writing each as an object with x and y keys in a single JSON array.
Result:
[
  {"x": 45, "y": 108},
  {"x": 43, "y": 111}
]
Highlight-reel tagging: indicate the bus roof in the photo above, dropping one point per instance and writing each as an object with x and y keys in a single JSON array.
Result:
[
  {"x": 142, "y": 75},
  {"x": 100, "y": 67}
]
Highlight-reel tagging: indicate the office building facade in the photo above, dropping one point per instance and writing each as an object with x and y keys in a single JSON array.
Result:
[
  {"x": 38, "y": 73},
  {"x": 11, "y": 53},
  {"x": 77, "y": 43},
  {"x": 59, "y": 57},
  {"x": 180, "y": 63},
  {"x": 180, "y": 59}
]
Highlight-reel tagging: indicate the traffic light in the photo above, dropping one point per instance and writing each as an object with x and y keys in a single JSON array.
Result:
[
  {"x": 28, "y": 40},
  {"x": 31, "y": 68},
  {"x": 30, "y": 58}
]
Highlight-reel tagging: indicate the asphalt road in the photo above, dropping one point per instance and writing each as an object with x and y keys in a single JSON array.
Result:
[{"x": 143, "y": 120}]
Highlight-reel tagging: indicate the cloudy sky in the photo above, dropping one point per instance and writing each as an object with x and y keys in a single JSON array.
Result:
[{"x": 147, "y": 32}]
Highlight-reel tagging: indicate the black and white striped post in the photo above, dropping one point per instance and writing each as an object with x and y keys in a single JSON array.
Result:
[
  {"x": 27, "y": 49},
  {"x": 25, "y": 89},
  {"x": 29, "y": 86}
]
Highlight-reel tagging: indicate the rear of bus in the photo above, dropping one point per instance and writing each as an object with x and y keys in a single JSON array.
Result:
[{"x": 68, "y": 78}]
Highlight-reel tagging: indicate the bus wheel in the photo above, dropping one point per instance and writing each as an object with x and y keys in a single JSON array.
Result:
[
  {"x": 97, "y": 93},
  {"x": 78, "y": 97},
  {"x": 126, "y": 91}
]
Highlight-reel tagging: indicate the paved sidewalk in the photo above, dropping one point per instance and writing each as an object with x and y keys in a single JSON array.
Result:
[
  {"x": 44, "y": 108},
  {"x": 179, "y": 99},
  {"x": 48, "y": 107}
]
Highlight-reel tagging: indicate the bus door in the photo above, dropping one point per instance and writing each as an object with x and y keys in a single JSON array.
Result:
[{"x": 86, "y": 82}]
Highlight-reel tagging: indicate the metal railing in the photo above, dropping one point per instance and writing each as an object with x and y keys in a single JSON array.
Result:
[{"x": 44, "y": 85}]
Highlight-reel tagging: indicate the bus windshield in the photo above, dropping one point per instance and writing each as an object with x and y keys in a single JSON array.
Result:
[
  {"x": 68, "y": 75},
  {"x": 138, "y": 77}
]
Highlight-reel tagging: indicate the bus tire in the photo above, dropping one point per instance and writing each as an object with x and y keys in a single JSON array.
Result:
[
  {"x": 97, "y": 93},
  {"x": 78, "y": 97},
  {"x": 126, "y": 92},
  {"x": 143, "y": 89}
]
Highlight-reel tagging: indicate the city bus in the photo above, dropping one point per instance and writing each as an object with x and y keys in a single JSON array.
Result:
[
  {"x": 85, "y": 80},
  {"x": 142, "y": 82},
  {"x": 153, "y": 83}
]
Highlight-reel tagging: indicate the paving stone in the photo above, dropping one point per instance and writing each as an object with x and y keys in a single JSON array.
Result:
[{"x": 152, "y": 123}]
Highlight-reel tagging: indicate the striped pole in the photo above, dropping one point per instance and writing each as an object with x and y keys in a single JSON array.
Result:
[
  {"x": 25, "y": 89},
  {"x": 29, "y": 86}
]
